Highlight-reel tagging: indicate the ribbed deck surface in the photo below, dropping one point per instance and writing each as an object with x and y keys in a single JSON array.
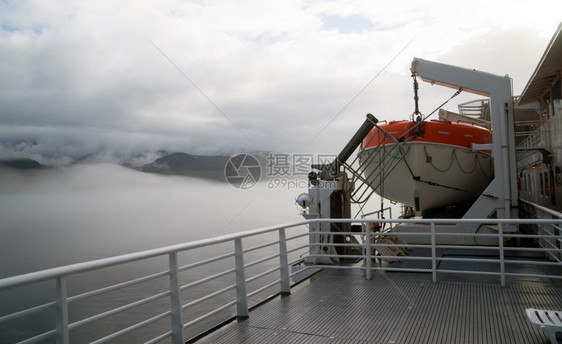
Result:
[{"x": 345, "y": 308}]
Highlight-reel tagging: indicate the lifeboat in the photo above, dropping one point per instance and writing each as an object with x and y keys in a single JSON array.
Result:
[{"x": 427, "y": 165}]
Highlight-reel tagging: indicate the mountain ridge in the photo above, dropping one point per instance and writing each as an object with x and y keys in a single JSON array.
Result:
[{"x": 184, "y": 164}]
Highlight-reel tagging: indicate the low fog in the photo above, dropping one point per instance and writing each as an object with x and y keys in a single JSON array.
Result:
[{"x": 52, "y": 217}]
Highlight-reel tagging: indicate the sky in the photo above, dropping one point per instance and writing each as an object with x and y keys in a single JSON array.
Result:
[{"x": 110, "y": 81}]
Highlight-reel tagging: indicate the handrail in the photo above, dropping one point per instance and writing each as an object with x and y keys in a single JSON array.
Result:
[
  {"x": 239, "y": 266},
  {"x": 60, "y": 274},
  {"x": 544, "y": 209},
  {"x": 48, "y": 274}
]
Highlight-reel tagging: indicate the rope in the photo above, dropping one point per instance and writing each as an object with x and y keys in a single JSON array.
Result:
[
  {"x": 428, "y": 157},
  {"x": 454, "y": 157},
  {"x": 459, "y": 163},
  {"x": 418, "y": 179}
]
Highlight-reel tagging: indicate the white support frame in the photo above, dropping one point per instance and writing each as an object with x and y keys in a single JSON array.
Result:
[{"x": 498, "y": 88}]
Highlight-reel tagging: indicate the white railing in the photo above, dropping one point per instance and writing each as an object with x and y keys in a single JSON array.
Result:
[
  {"x": 535, "y": 139},
  {"x": 235, "y": 262},
  {"x": 549, "y": 247},
  {"x": 180, "y": 309},
  {"x": 549, "y": 230}
]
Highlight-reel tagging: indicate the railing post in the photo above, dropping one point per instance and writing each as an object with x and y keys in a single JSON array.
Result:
[
  {"x": 241, "y": 295},
  {"x": 62, "y": 312},
  {"x": 502, "y": 258},
  {"x": 433, "y": 254},
  {"x": 541, "y": 231},
  {"x": 284, "y": 263},
  {"x": 368, "y": 257},
  {"x": 175, "y": 301}
]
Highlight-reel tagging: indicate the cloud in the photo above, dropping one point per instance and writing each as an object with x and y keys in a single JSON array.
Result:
[
  {"x": 87, "y": 72},
  {"x": 350, "y": 24}
]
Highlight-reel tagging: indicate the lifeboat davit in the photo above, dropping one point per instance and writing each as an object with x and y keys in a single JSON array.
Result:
[{"x": 427, "y": 165}]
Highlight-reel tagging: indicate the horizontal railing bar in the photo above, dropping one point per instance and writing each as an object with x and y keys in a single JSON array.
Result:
[
  {"x": 27, "y": 311},
  {"x": 210, "y": 314},
  {"x": 209, "y": 296},
  {"x": 132, "y": 328},
  {"x": 468, "y": 260},
  {"x": 475, "y": 235},
  {"x": 337, "y": 256},
  {"x": 258, "y": 247},
  {"x": 207, "y": 279},
  {"x": 52, "y": 273},
  {"x": 374, "y": 234},
  {"x": 340, "y": 245},
  {"x": 480, "y": 260},
  {"x": 107, "y": 262},
  {"x": 373, "y": 245},
  {"x": 381, "y": 268},
  {"x": 118, "y": 310},
  {"x": 466, "y": 247},
  {"x": 425, "y": 234},
  {"x": 470, "y": 272},
  {"x": 532, "y": 262},
  {"x": 550, "y": 226},
  {"x": 159, "y": 338},
  {"x": 261, "y": 260},
  {"x": 117, "y": 286},
  {"x": 532, "y": 236},
  {"x": 38, "y": 338},
  {"x": 206, "y": 261},
  {"x": 442, "y": 221},
  {"x": 297, "y": 236},
  {"x": 401, "y": 257},
  {"x": 342, "y": 267},
  {"x": 491, "y": 248},
  {"x": 269, "y": 285},
  {"x": 265, "y": 273},
  {"x": 532, "y": 275},
  {"x": 532, "y": 249},
  {"x": 437, "y": 235},
  {"x": 428, "y": 246},
  {"x": 540, "y": 207},
  {"x": 298, "y": 248}
]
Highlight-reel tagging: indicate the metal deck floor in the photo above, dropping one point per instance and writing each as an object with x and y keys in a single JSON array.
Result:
[{"x": 344, "y": 307}]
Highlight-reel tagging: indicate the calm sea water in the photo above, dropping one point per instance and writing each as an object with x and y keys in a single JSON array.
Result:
[{"x": 62, "y": 216}]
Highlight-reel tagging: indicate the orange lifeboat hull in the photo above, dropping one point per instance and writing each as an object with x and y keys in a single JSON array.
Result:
[{"x": 427, "y": 166}]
